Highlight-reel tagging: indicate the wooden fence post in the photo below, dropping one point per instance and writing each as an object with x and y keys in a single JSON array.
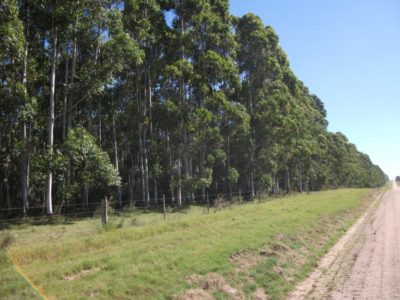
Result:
[
  {"x": 104, "y": 206},
  {"x": 240, "y": 196},
  {"x": 163, "y": 200}
]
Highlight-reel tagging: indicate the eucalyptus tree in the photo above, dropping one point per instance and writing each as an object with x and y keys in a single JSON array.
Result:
[
  {"x": 210, "y": 48},
  {"x": 205, "y": 102},
  {"x": 145, "y": 23},
  {"x": 252, "y": 59},
  {"x": 12, "y": 91}
]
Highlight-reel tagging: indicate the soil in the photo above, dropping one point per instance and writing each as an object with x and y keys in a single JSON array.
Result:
[
  {"x": 80, "y": 274},
  {"x": 365, "y": 263},
  {"x": 206, "y": 285}
]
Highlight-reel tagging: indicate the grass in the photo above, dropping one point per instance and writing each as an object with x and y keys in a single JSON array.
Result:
[
  {"x": 141, "y": 257},
  {"x": 12, "y": 284}
]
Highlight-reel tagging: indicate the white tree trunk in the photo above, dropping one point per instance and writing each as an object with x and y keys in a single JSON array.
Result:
[
  {"x": 115, "y": 146},
  {"x": 49, "y": 181},
  {"x": 65, "y": 101},
  {"x": 142, "y": 173},
  {"x": 146, "y": 169},
  {"x": 179, "y": 182}
]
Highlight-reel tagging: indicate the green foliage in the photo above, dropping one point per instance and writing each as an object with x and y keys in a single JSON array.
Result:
[
  {"x": 233, "y": 175},
  {"x": 205, "y": 103},
  {"x": 88, "y": 160}
]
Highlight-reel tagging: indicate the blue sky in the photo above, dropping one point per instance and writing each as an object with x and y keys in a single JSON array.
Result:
[{"x": 348, "y": 53}]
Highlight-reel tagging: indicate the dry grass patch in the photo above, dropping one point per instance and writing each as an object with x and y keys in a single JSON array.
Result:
[
  {"x": 212, "y": 283},
  {"x": 81, "y": 274}
]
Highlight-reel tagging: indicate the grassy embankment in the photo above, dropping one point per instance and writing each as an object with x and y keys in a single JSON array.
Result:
[{"x": 237, "y": 252}]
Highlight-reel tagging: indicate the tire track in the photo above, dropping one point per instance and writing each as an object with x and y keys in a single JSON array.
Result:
[{"x": 365, "y": 263}]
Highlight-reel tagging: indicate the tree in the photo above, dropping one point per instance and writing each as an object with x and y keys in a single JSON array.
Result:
[
  {"x": 203, "y": 103},
  {"x": 13, "y": 97},
  {"x": 90, "y": 164}
]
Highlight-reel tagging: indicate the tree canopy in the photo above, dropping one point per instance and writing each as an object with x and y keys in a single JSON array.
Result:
[{"x": 141, "y": 98}]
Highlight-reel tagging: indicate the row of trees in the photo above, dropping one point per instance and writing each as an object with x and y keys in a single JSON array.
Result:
[{"x": 183, "y": 97}]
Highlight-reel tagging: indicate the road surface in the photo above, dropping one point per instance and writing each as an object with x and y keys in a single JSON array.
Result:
[{"x": 365, "y": 263}]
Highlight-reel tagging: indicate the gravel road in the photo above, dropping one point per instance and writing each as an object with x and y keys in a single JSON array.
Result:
[{"x": 365, "y": 263}]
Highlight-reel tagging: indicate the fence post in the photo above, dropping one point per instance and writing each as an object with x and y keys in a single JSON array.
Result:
[
  {"x": 259, "y": 195},
  {"x": 240, "y": 196},
  {"x": 163, "y": 201},
  {"x": 104, "y": 206}
]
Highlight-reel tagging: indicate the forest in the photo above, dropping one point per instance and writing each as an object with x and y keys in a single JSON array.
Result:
[{"x": 137, "y": 99}]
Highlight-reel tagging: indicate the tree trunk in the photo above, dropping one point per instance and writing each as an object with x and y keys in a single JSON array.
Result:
[
  {"x": 171, "y": 170},
  {"x": 203, "y": 188},
  {"x": 252, "y": 150},
  {"x": 25, "y": 172},
  {"x": 228, "y": 165},
  {"x": 277, "y": 186},
  {"x": 1, "y": 195},
  {"x": 131, "y": 187},
  {"x": 300, "y": 182},
  {"x": 182, "y": 100},
  {"x": 150, "y": 103},
  {"x": 49, "y": 181},
  {"x": 72, "y": 109},
  {"x": 142, "y": 173},
  {"x": 99, "y": 133},
  {"x": 86, "y": 194},
  {"x": 8, "y": 199},
  {"x": 146, "y": 169},
  {"x": 115, "y": 146},
  {"x": 65, "y": 101},
  {"x": 186, "y": 159},
  {"x": 252, "y": 185},
  {"x": 25, "y": 158},
  {"x": 155, "y": 192},
  {"x": 179, "y": 181},
  {"x": 253, "y": 165}
]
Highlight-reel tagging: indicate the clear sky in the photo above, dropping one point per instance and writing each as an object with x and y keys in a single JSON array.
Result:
[{"x": 348, "y": 53}]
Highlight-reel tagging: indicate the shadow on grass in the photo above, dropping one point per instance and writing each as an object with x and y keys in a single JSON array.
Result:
[{"x": 43, "y": 221}]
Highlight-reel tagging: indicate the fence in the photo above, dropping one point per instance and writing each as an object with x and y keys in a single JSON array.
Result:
[{"x": 99, "y": 208}]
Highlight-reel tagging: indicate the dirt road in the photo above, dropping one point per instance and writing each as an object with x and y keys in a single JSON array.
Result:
[{"x": 365, "y": 263}]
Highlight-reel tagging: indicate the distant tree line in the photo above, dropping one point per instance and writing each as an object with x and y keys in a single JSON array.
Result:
[{"x": 140, "y": 98}]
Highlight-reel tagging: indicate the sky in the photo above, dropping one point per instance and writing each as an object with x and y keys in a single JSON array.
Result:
[{"x": 347, "y": 52}]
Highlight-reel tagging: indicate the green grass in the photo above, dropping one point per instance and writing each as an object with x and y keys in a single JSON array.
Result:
[
  {"x": 12, "y": 284},
  {"x": 154, "y": 259}
]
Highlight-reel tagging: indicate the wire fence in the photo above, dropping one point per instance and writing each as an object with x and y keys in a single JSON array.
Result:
[
  {"x": 216, "y": 201},
  {"x": 135, "y": 202}
]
